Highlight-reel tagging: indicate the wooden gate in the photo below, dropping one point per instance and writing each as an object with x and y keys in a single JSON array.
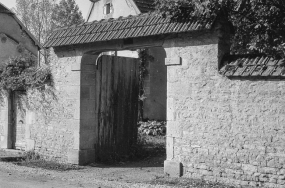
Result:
[{"x": 116, "y": 90}]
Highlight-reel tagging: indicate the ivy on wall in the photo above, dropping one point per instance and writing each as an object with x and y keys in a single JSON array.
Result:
[
  {"x": 35, "y": 83},
  {"x": 145, "y": 59}
]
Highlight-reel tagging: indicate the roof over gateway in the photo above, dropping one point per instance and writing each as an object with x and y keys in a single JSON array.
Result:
[
  {"x": 125, "y": 27},
  {"x": 5, "y": 10}
]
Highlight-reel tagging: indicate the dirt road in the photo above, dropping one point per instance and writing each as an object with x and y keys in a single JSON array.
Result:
[
  {"x": 131, "y": 175},
  {"x": 16, "y": 180}
]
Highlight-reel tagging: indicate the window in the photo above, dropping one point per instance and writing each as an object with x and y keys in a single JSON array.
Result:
[{"x": 107, "y": 8}]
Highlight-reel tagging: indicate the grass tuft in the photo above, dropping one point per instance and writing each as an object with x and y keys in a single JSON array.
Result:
[{"x": 35, "y": 160}]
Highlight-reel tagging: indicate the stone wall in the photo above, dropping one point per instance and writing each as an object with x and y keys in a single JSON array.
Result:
[
  {"x": 5, "y": 140},
  {"x": 54, "y": 136},
  {"x": 64, "y": 134},
  {"x": 218, "y": 129}
]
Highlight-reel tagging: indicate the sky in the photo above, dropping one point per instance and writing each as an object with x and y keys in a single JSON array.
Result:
[{"x": 83, "y": 5}]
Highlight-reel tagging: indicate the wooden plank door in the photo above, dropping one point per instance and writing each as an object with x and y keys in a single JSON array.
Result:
[
  {"x": 19, "y": 122},
  {"x": 117, "y": 90}
]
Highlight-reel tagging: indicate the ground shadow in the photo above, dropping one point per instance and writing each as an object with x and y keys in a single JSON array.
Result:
[{"x": 150, "y": 151}]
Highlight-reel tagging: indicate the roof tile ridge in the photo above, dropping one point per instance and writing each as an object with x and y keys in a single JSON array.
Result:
[{"x": 71, "y": 26}]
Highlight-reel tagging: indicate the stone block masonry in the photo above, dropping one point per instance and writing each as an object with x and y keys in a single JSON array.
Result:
[
  {"x": 5, "y": 140},
  {"x": 67, "y": 134},
  {"x": 57, "y": 136},
  {"x": 230, "y": 131}
]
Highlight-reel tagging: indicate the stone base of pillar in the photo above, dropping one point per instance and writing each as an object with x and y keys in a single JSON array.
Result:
[{"x": 173, "y": 168}]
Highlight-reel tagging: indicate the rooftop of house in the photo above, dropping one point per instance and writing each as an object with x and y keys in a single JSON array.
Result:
[
  {"x": 252, "y": 65},
  {"x": 149, "y": 24},
  {"x": 4, "y": 9}
]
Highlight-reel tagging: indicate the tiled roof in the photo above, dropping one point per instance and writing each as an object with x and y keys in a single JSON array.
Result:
[
  {"x": 123, "y": 28},
  {"x": 145, "y": 5},
  {"x": 252, "y": 66}
]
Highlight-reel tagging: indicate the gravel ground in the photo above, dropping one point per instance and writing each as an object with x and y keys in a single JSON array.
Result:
[
  {"x": 147, "y": 173},
  {"x": 88, "y": 177},
  {"x": 122, "y": 176},
  {"x": 129, "y": 174}
]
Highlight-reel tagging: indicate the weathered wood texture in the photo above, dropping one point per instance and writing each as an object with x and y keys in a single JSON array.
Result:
[{"x": 117, "y": 90}]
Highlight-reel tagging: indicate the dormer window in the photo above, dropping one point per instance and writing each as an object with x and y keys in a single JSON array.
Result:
[{"x": 107, "y": 8}]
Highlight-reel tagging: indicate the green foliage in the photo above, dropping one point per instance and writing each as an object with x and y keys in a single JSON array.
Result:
[
  {"x": 259, "y": 24},
  {"x": 36, "y": 16},
  {"x": 145, "y": 58},
  {"x": 22, "y": 74},
  {"x": 41, "y": 17},
  {"x": 67, "y": 13},
  {"x": 152, "y": 128},
  {"x": 180, "y": 9},
  {"x": 260, "y": 27}
]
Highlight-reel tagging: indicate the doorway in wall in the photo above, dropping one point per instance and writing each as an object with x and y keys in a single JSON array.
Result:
[{"x": 18, "y": 122}]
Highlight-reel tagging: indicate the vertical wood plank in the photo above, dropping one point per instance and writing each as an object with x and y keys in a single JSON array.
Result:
[
  {"x": 103, "y": 123},
  {"x": 116, "y": 108}
]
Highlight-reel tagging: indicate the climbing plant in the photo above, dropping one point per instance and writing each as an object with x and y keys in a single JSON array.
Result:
[
  {"x": 35, "y": 83},
  {"x": 259, "y": 25},
  {"x": 145, "y": 59}
]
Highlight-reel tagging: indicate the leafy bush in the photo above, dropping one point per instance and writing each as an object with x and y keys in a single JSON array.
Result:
[
  {"x": 36, "y": 83},
  {"x": 154, "y": 128}
]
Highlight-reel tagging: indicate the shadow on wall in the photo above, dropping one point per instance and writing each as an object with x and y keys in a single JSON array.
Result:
[{"x": 156, "y": 86}]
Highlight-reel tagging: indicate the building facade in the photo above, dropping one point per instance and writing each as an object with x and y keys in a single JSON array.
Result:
[{"x": 15, "y": 41}]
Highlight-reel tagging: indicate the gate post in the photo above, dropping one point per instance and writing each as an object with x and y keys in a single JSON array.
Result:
[{"x": 83, "y": 151}]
